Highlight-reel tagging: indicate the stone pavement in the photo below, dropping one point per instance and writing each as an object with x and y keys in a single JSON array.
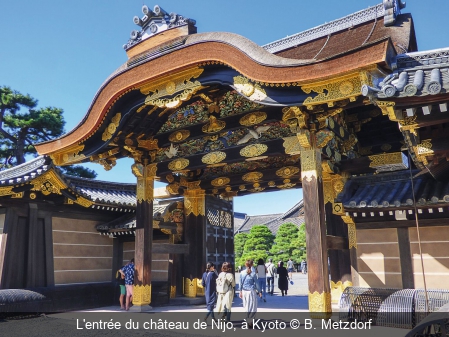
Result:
[{"x": 276, "y": 310}]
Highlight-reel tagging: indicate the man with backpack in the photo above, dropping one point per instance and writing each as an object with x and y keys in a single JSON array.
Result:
[{"x": 271, "y": 274}]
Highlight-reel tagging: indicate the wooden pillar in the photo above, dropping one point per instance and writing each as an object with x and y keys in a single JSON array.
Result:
[
  {"x": 194, "y": 235},
  {"x": 352, "y": 238},
  {"x": 317, "y": 263},
  {"x": 340, "y": 262},
  {"x": 405, "y": 257},
  {"x": 144, "y": 233}
]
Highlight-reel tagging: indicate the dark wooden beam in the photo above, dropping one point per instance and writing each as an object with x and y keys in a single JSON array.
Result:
[
  {"x": 337, "y": 242},
  {"x": 402, "y": 223},
  {"x": 405, "y": 257},
  {"x": 168, "y": 248}
]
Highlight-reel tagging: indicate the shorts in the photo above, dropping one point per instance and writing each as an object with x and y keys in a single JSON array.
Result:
[
  {"x": 129, "y": 290},
  {"x": 122, "y": 289},
  {"x": 290, "y": 270}
]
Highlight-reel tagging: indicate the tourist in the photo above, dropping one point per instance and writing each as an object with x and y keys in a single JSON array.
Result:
[
  {"x": 128, "y": 272},
  {"x": 303, "y": 266},
  {"x": 290, "y": 268},
  {"x": 121, "y": 281},
  {"x": 283, "y": 279},
  {"x": 225, "y": 290},
  {"x": 209, "y": 284},
  {"x": 261, "y": 272},
  {"x": 271, "y": 274},
  {"x": 248, "y": 291}
]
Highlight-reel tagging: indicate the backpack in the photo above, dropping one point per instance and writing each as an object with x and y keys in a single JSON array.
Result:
[{"x": 222, "y": 284}]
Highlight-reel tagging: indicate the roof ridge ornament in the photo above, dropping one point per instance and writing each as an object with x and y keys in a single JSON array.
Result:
[
  {"x": 156, "y": 21},
  {"x": 392, "y": 10}
]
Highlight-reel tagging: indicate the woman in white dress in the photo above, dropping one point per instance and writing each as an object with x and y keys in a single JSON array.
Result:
[{"x": 225, "y": 299}]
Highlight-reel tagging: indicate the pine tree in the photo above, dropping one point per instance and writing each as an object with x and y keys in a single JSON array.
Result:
[
  {"x": 299, "y": 252},
  {"x": 19, "y": 130},
  {"x": 258, "y": 244},
  {"x": 239, "y": 245},
  {"x": 284, "y": 246}
]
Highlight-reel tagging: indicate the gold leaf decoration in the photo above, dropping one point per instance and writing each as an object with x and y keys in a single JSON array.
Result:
[
  {"x": 291, "y": 145},
  {"x": 253, "y": 92},
  {"x": 178, "y": 164},
  {"x": 220, "y": 181},
  {"x": 253, "y": 118},
  {"x": 112, "y": 127},
  {"x": 253, "y": 150},
  {"x": 177, "y": 87},
  {"x": 179, "y": 136},
  {"x": 141, "y": 294},
  {"x": 287, "y": 171},
  {"x": 214, "y": 125},
  {"x": 320, "y": 306},
  {"x": 252, "y": 176},
  {"x": 213, "y": 157}
]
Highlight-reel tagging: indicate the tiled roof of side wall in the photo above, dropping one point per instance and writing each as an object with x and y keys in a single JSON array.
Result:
[{"x": 346, "y": 22}]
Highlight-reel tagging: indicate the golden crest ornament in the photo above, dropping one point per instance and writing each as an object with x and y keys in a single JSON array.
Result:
[
  {"x": 253, "y": 118},
  {"x": 213, "y": 157},
  {"x": 220, "y": 181},
  {"x": 178, "y": 164},
  {"x": 253, "y": 150},
  {"x": 179, "y": 136},
  {"x": 252, "y": 176}
]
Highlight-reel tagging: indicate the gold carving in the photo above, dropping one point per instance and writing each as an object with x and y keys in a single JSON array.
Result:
[
  {"x": 352, "y": 233},
  {"x": 33, "y": 196},
  {"x": 68, "y": 155},
  {"x": 112, "y": 127},
  {"x": 149, "y": 144},
  {"x": 220, "y": 181},
  {"x": 253, "y": 92},
  {"x": 253, "y": 118},
  {"x": 304, "y": 138},
  {"x": 409, "y": 124},
  {"x": 214, "y": 125},
  {"x": 83, "y": 202},
  {"x": 387, "y": 109},
  {"x": 338, "y": 209},
  {"x": 178, "y": 164},
  {"x": 423, "y": 150},
  {"x": 194, "y": 201},
  {"x": 310, "y": 164},
  {"x": 145, "y": 181},
  {"x": 253, "y": 150},
  {"x": 172, "y": 291},
  {"x": 199, "y": 288},
  {"x": 242, "y": 187},
  {"x": 337, "y": 290},
  {"x": 178, "y": 87},
  {"x": 48, "y": 183},
  {"x": 287, "y": 171},
  {"x": 330, "y": 91},
  {"x": 142, "y": 294},
  {"x": 388, "y": 161},
  {"x": 293, "y": 112},
  {"x": 137, "y": 154},
  {"x": 17, "y": 195},
  {"x": 252, "y": 177},
  {"x": 179, "y": 136},
  {"x": 213, "y": 157},
  {"x": 291, "y": 145},
  {"x": 189, "y": 287},
  {"x": 271, "y": 184},
  {"x": 6, "y": 191},
  {"x": 320, "y": 305}
]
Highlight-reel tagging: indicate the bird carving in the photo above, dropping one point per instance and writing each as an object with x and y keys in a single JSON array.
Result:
[
  {"x": 172, "y": 152},
  {"x": 256, "y": 134}
]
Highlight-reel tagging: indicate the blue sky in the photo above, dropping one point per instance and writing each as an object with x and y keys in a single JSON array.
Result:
[{"x": 60, "y": 52}]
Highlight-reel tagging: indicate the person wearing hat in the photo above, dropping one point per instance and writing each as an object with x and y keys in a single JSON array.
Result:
[{"x": 271, "y": 274}]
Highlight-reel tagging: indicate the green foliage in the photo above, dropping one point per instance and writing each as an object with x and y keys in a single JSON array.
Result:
[
  {"x": 257, "y": 245},
  {"x": 299, "y": 252},
  {"x": 20, "y": 129},
  {"x": 283, "y": 247},
  {"x": 239, "y": 245},
  {"x": 79, "y": 171}
]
